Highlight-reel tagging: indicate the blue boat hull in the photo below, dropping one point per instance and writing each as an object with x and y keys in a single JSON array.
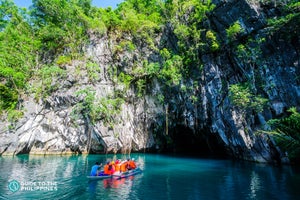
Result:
[{"x": 119, "y": 176}]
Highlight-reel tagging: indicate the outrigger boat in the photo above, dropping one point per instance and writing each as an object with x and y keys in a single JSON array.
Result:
[{"x": 116, "y": 176}]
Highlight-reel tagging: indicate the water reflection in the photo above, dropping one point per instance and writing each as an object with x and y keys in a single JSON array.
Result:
[{"x": 254, "y": 185}]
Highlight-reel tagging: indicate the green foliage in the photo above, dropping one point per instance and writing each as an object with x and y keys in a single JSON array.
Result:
[
  {"x": 124, "y": 46},
  {"x": 93, "y": 71},
  {"x": 63, "y": 60},
  {"x": 7, "y": 9},
  {"x": 8, "y": 98},
  {"x": 250, "y": 52},
  {"x": 243, "y": 98},
  {"x": 194, "y": 99},
  {"x": 160, "y": 98},
  {"x": 49, "y": 80},
  {"x": 103, "y": 109},
  {"x": 87, "y": 105},
  {"x": 286, "y": 132},
  {"x": 277, "y": 23},
  {"x": 62, "y": 24},
  {"x": 110, "y": 19},
  {"x": 141, "y": 87},
  {"x": 18, "y": 53},
  {"x": 212, "y": 40},
  {"x": 13, "y": 115},
  {"x": 234, "y": 30},
  {"x": 171, "y": 71},
  {"x": 126, "y": 79},
  {"x": 186, "y": 18},
  {"x": 294, "y": 6},
  {"x": 152, "y": 69},
  {"x": 290, "y": 12},
  {"x": 139, "y": 17},
  {"x": 140, "y": 76}
]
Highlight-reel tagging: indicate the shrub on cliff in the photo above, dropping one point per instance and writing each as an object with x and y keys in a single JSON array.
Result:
[{"x": 286, "y": 132}]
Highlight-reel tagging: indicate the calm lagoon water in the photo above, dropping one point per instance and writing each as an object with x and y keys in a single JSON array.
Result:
[{"x": 163, "y": 177}]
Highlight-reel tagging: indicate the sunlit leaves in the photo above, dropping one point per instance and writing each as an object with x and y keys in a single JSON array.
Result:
[
  {"x": 18, "y": 54},
  {"x": 96, "y": 109},
  {"x": 234, "y": 30},
  {"x": 171, "y": 71},
  {"x": 242, "y": 97},
  {"x": 62, "y": 24},
  {"x": 212, "y": 40}
]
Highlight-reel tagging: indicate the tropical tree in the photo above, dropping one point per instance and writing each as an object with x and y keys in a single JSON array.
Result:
[{"x": 18, "y": 46}]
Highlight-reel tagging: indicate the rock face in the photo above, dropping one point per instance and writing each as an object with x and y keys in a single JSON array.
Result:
[{"x": 211, "y": 125}]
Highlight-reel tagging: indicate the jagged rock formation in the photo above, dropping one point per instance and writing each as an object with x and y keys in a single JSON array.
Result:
[{"x": 211, "y": 126}]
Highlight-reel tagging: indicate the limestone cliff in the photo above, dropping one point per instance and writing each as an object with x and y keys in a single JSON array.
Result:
[{"x": 200, "y": 118}]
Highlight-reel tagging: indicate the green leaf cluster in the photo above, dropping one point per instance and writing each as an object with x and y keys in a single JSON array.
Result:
[
  {"x": 286, "y": 132},
  {"x": 102, "y": 109},
  {"x": 93, "y": 71},
  {"x": 186, "y": 18},
  {"x": 233, "y": 31},
  {"x": 48, "y": 80},
  {"x": 242, "y": 97}
]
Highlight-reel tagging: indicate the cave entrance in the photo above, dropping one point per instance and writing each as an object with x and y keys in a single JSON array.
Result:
[{"x": 204, "y": 143}]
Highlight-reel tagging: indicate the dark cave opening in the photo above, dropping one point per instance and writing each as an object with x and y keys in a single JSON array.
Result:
[{"x": 202, "y": 144}]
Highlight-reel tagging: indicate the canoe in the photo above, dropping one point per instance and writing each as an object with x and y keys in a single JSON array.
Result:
[{"x": 123, "y": 175}]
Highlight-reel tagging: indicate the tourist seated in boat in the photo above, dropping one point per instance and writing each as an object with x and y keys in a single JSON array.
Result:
[
  {"x": 106, "y": 169},
  {"x": 117, "y": 167},
  {"x": 109, "y": 168},
  {"x": 96, "y": 169},
  {"x": 124, "y": 166},
  {"x": 131, "y": 164}
]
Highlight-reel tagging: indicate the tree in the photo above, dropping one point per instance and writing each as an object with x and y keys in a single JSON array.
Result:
[
  {"x": 18, "y": 54},
  {"x": 7, "y": 8},
  {"x": 61, "y": 24}
]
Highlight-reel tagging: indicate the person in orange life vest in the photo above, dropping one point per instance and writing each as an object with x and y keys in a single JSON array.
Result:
[
  {"x": 106, "y": 169},
  {"x": 111, "y": 167},
  {"x": 124, "y": 166},
  {"x": 131, "y": 164},
  {"x": 117, "y": 166}
]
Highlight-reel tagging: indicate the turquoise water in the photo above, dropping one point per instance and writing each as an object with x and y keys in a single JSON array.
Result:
[{"x": 163, "y": 177}]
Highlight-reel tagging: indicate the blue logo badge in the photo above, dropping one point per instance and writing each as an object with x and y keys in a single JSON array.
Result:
[{"x": 14, "y": 186}]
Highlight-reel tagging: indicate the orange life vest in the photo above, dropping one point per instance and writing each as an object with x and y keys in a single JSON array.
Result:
[
  {"x": 117, "y": 167},
  {"x": 132, "y": 164},
  {"x": 124, "y": 167},
  {"x": 106, "y": 170}
]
